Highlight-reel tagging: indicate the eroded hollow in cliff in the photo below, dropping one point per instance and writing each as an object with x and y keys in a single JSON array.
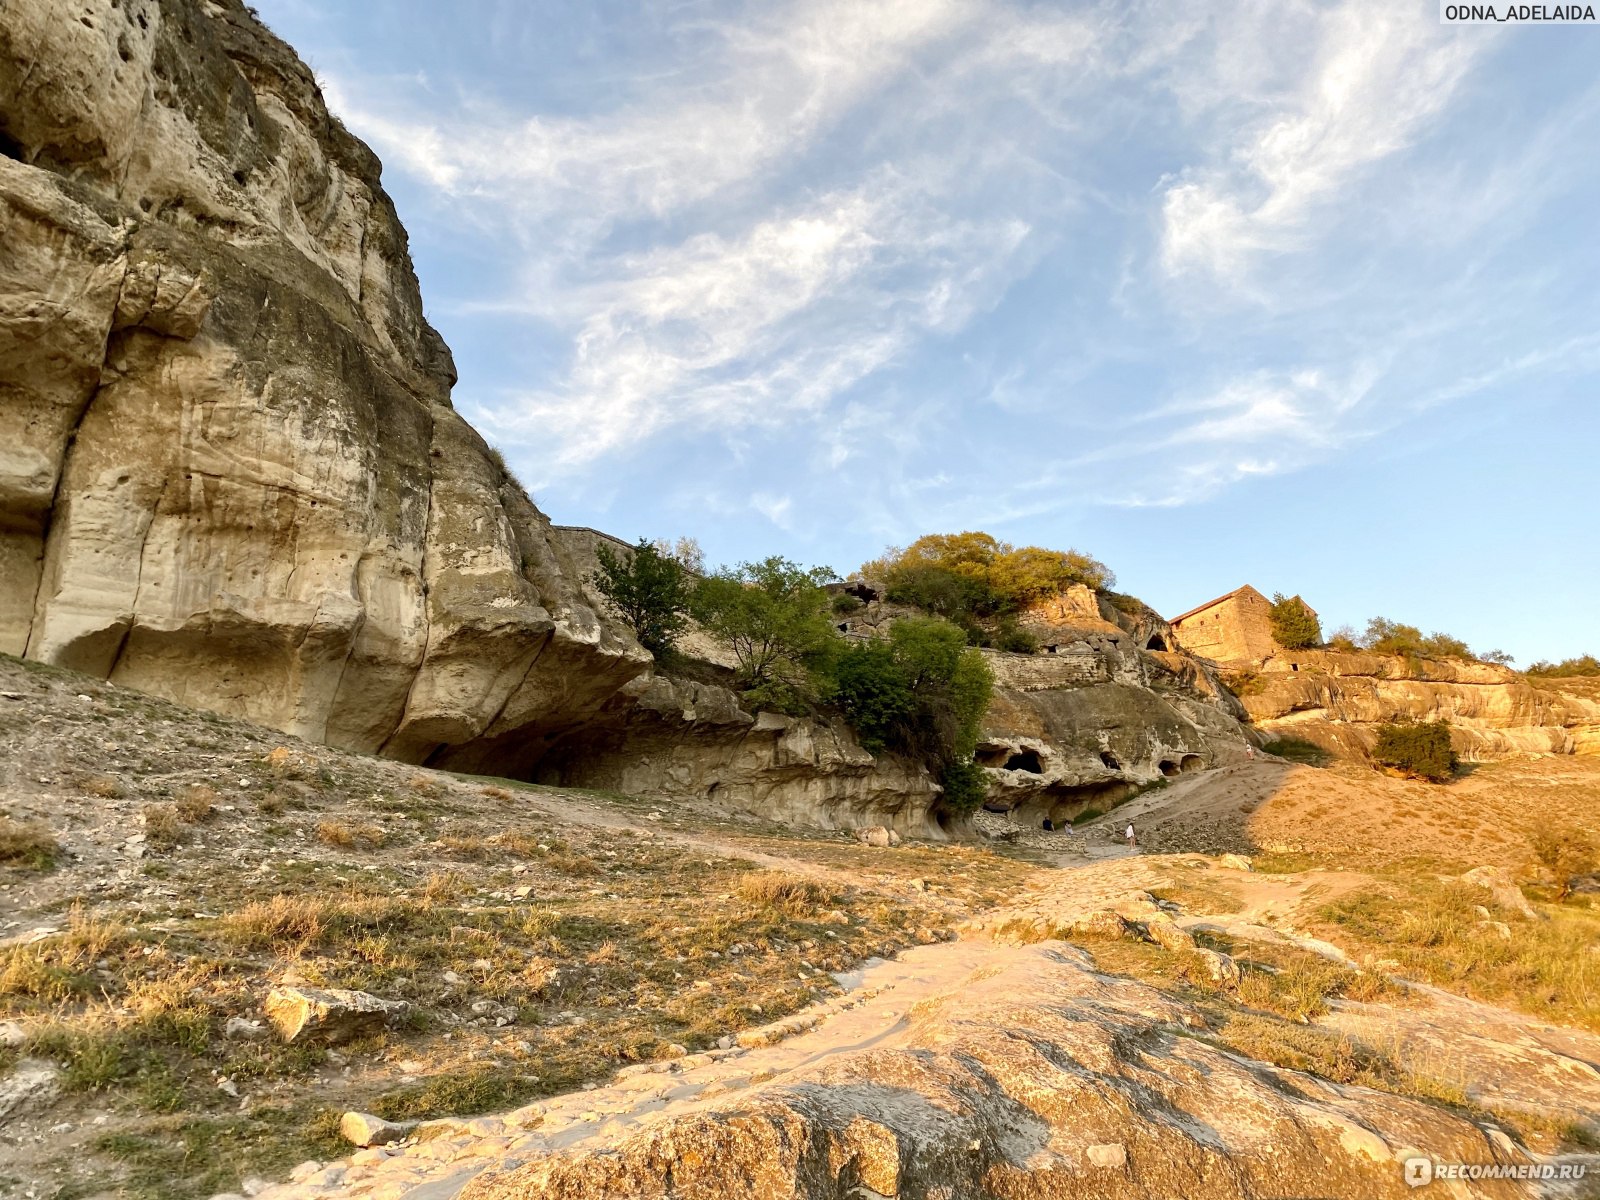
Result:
[
  {"x": 1025, "y": 760},
  {"x": 1156, "y": 642},
  {"x": 1186, "y": 764},
  {"x": 1110, "y": 761}
]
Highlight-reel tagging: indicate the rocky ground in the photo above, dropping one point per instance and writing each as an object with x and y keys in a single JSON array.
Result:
[
  {"x": 602, "y": 993},
  {"x": 161, "y": 871}
]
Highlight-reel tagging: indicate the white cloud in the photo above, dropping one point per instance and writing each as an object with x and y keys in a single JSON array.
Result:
[
  {"x": 772, "y": 87},
  {"x": 1379, "y": 76},
  {"x": 723, "y": 332}
]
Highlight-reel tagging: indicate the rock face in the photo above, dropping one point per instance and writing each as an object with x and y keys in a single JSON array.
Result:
[
  {"x": 229, "y": 470},
  {"x": 1340, "y": 700},
  {"x": 1097, "y": 714},
  {"x": 1034, "y": 1077},
  {"x": 668, "y": 737}
]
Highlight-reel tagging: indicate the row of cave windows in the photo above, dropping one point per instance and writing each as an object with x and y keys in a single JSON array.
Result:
[{"x": 1029, "y": 760}]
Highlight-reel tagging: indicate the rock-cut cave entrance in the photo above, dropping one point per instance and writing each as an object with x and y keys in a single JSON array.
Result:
[{"x": 1156, "y": 642}]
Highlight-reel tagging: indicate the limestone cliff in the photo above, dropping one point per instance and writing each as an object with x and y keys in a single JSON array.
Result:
[
  {"x": 229, "y": 469},
  {"x": 1104, "y": 709},
  {"x": 1340, "y": 700}
]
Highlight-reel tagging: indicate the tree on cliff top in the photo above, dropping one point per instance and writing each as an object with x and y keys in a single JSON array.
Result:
[
  {"x": 973, "y": 577},
  {"x": 1294, "y": 625},
  {"x": 651, "y": 591},
  {"x": 774, "y": 615}
]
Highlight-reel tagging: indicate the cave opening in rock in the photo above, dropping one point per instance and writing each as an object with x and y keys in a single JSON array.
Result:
[
  {"x": 1111, "y": 761},
  {"x": 1025, "y": 760},
  {"x": 1156, "y": 642},
  {"x": 1191, "y": 762},
  {"x": 1168, "y": 767}
]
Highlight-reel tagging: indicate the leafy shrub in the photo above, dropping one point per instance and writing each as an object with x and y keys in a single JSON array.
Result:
[
  {"x": 972, "y": 577},
  {"x": 1420, "y": 749},
  {"x": 845, "y": 603},
  {"x": 775, "y": 616},
  {"x": 965, "y": 786},
  {"x": 1294, "y": 625},
  {"x": 652, "y": 592},
  {"x": 1014, "y": 638},
  {"x": 1384, "y": 636},
  {"x": 1584, "y": 664},
  {"x": 1566, "y": 854}
]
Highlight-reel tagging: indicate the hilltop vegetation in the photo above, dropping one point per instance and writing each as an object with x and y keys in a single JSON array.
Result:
[
  {"x": 1567, "y": 668},
  {"x": 920, "y": 692},
  {"x": 980, "y": 583}
]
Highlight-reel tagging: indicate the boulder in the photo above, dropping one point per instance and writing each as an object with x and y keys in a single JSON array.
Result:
[
  {"x": 1236, "y": 862},
  {"x": 877, "y": 835},
  {"x": 1500, "y": 884},
  {"x": 331, "y": 1015},
  {"x": 1220, "y": 968},
  {"x": 364, "y": 1129},
  {"x": 30, "y": 1086}
]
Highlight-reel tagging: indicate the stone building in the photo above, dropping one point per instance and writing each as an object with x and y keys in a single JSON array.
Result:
[{"x": 1232, "y": 629}]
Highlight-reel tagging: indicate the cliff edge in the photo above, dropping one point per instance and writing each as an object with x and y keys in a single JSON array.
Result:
[{"x": 229, "y": 470}]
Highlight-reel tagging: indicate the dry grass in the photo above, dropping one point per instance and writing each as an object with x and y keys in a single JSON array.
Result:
[
  {"x": 794, "y": 895},
  {"x": 197, "y": 804},
  {"x": 442, "y": 887},
  {"x": 27, "y": 844},
  {"x": 163, "y": 827},
  {"x": 496, "y": 793},
  {"x": 1434, "y": 931},
  {"x": 346, "y": 835},
  {"x": 106, "y": 787}
]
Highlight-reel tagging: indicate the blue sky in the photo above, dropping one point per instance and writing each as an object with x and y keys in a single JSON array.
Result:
[{"x": 1296, "y": 294}]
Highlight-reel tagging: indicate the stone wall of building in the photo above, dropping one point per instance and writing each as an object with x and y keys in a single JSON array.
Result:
[{"x": 1235, "y": 629}]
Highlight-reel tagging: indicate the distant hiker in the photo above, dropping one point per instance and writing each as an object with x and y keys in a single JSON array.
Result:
[
  {"x": 1049, "y": 825},
  {"x": 1249, "y": 752},
  {"x": 1132, "y": 842}
]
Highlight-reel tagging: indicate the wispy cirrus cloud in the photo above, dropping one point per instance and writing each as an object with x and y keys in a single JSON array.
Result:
[
  {"x": 1376, "y": 79},
  {"x": 887, "y": 231}
]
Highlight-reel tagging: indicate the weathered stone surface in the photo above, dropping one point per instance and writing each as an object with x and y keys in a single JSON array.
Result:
[
  {"x": 328, "y": 1014},
  {"x": 1500, "y": 884},
  {"x": 671, "y": 737},
  {"x": 229, "y": 472},
  {"x": 1340, "y": 701},
  {"x": 28, "y": 1087},
  {"x": 1036, "y": 1077},
  {"x": 364, "y": 1129}
]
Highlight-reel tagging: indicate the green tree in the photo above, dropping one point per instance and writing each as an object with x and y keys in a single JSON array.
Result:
[
  {"x": 1420, "y": 749},
  {"x": 774, "y": 614},
  {"x": 974, "y": 579},
  {"x": 1294, "y": 625},
  {"x": 922, "y": 692},
  {"x": 1584, "y": 664},
  {"x": 650, "y": 590}
]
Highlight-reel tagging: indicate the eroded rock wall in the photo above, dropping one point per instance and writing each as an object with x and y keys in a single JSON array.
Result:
[
  {"x": 1341, "y": 700},
  {"x": 229, "y": 471},
  {"x": 693, "y": 741}
]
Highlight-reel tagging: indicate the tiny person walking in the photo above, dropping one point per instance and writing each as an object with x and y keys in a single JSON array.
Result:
[
  {"x": 1249, "y": 752},
  {"x": 1132, "y": 842}
]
